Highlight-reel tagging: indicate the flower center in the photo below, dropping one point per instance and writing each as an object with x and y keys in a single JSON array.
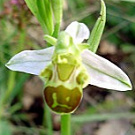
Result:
[{"x": 65, "y": 78}]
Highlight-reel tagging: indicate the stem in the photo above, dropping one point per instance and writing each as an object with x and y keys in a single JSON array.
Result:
[
  {"x": 48, "y": 120},
  {"x": 65, "y": 124},
  {"x": 56, "y": 30},
  {"x": 10, "y": 86}
]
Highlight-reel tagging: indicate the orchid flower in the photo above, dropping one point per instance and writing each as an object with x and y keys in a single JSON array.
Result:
[{"x": 69, "y": 66}]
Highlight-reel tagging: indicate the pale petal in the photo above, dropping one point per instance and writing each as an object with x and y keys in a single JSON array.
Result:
[
  {"x": 31, "y": 61},
  {"x": 105, "y": 74},
  {"x": 78, "y": 31}
]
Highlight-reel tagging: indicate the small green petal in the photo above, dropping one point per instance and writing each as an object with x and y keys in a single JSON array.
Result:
[{"x": 51, "y": 40}]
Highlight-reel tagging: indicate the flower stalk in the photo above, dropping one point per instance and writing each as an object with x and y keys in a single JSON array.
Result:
[
  {"x": 65, "y": 124},
  {"x": 48, "y": 120}
]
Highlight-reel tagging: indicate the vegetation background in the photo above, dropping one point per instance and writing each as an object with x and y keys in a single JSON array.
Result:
[{"x": 102, "y": 112}]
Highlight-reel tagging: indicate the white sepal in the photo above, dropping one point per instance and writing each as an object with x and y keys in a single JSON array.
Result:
[
  {"x": 31, "y": 61},
  {"x": 78, "y": 31},
  {"x": 105, "y": 74}
]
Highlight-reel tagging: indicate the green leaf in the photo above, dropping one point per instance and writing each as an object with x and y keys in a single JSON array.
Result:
[
  {"x": 45, "y": 11},
  {"x": 57, "y": 7},
  {"x": 128, "y": 0},
  {"x": 98, "y": 29},
  {"x": 33, "y": 7},
  {"x": 5, "y": 128},
  {"x": 41, "y": 9},
  {"x": 102, "y": 117}
]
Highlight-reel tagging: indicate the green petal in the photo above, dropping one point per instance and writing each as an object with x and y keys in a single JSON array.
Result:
[{"x": 105, "y": 74}]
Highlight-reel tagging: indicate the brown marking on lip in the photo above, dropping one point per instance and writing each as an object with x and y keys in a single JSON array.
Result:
[{"x": 63, "y": 105}]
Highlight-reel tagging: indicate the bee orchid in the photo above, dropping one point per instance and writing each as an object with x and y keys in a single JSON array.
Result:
[{"x": 69, "y": 66}]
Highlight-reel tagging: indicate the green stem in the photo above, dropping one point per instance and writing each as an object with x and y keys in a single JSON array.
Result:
[
  {"x": 65, "y": 124},
  {"x": 10, "y": 86},
  {"x": 56, "y": 30},
  {"x": 48, "y": 120}
]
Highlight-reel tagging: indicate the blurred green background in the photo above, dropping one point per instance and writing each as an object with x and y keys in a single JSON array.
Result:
[{"x": 102, "y": 112}]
